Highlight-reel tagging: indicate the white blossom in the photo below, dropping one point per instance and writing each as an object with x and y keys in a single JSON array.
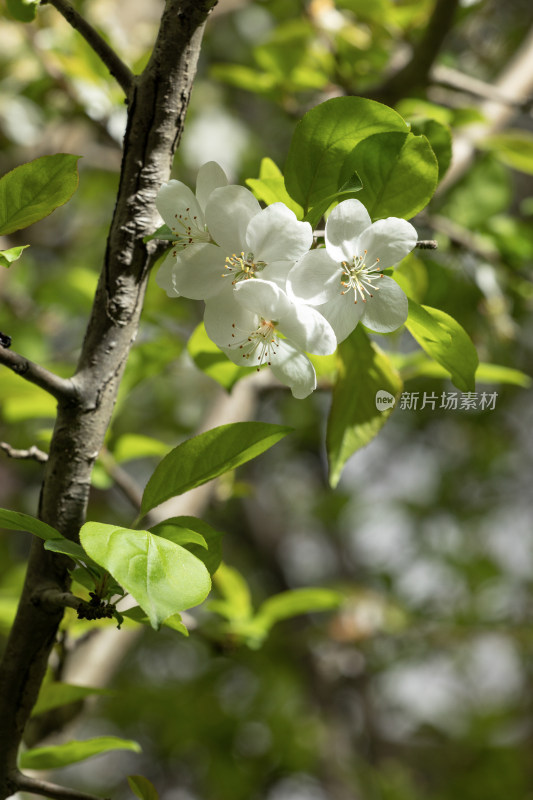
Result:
[
  {"x": 345, "y": 280},
  {"x": 258, "y": 324}
]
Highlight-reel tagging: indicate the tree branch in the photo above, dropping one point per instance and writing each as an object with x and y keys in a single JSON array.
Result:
[
  {"x": 32, "y": 452},
  {"x": 60, "y": 388},
  {"x": 109, "y": 57},
  {"x": 24, "y": 783}
]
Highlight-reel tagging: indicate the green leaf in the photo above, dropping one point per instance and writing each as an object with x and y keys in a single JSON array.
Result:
[
  {"x": 196, "y": 536},
  {"x": 212, "y": 361},
  {"x": 348, "y": 189},
  {"x": 445, "y": 340},
  {"x": 67, "y": 548},
  {"x": 142, "y": 787},
  {"x": 32, "y": 191},
  {"x": 23, "y": 10},
  {"x": 61, "y": 755},
  {"x": 512, "y": 147},
  {"x": 270, "y": 187},
  {"x": 7, "y": 257},
  {"x": 440, "y": 138},
  {"x": 417, "y": 364},
  {"x": 237, "y": 600},
  {"x": 494, "y": 373},
  {"x": 16, "y": 521},
  {"x": 163, "y": 577},
  {"x": 412, "y": 275},
  {"x": 136, "y": 445},
  {"x": 323, "y": 141},
  {"x": 399, "y": 173},
  {"x": 354, "y": 419},
  {"x": 54, "y": 694},
  {"x": 297, "y": 601},
  {"x": 206, "y": 456},
  {"x": 174, "y": 622}
]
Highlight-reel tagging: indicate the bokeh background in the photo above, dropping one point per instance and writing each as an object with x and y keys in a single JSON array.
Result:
[{"x": 421, "y": 685}]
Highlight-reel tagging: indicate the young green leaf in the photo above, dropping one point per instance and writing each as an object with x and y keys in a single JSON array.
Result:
[
  {"x": 163, "y": 577},
  {"x": 32, "y": 191},
  {"x": 7, "y": 257},
  {"x": 440, "y": 138},
  {"x": 206, "y": 456},
  {"x": 196, "y": 536},
  {"x": 16, "y": 521},
  {"x": 61, "y": 755},
  {"x": 399, "y": 172},
  {"x": 323, "y": 140},
  {"x": 270, "y": 187},
  {"x": 445, "y": 340},
  {"x": 237, "y": 600},
  {"x": 174, "y": 622},
  {"x": 297, "y": 601},
  {"x": 354, "y": 419},
  {"x": 142, "y": 787}
]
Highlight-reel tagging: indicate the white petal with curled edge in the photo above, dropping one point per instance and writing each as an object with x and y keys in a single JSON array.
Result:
[
  {"x": 294, "y": 370},
  {"x": 228, "y": 213},
  {"x": 308, "y": 330},
  {"x": 387, "y": 309},
  {"x": 227, "y": 322},
  {"x": 390, "y": 240},
  {"x": 210, "y": 176},
  {"x": 199, "y": 271},
  {"x": 263, "y": 298},
  {"x": 178, "y": 206},
  {"x": 165, "y": 275},
  {"x": 344, "y": 225},
  {"x": 315, "y": 278},
  {"x": 342, "y": 314},
  {"x": 276, "y": 235}
]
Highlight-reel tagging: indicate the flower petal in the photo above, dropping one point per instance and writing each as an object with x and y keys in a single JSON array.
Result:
[
  {"x": 342, "y": 314},
  {"x": 179, "y": 208},
  {"x": 344, "y": 225},
  {"x": 263, "y": 298},
  {"x": 226, "y": 322},
  {"x": 294, "y": 370},
  {"x": 165, "y": 275},
  {"x": 210, "y": 176},
  {"x": 389, "y": 239},
  {"x": 276, "y": 235},
  {"x": 277, "y": 272},
  {"x": 228, "y": 213},
  {"x": 387, "y": 309},
  {"x": 199, "y": 271},
  {"x": 308, "y": 329},
  {"x": 315, "y": 278}
]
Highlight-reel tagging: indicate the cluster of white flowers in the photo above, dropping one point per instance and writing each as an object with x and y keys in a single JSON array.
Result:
[{"x": 269, "y": 298}]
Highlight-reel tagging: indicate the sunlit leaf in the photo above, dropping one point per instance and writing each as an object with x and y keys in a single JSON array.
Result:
[
  {"x": 196, "y": 536},
  {"x": 212, "y": 361},
  {"x": 207, "y": 456},
  {"x": 355, "y": 418},
  {"x": 32, "y": 191},
  {"x": 7, "y": 257},
  {"x": 163, "y": 577},
  {"x": 61, "y": 755}
]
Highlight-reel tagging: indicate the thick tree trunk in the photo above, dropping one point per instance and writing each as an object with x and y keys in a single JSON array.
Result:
[{"x": 158, "y": 103}]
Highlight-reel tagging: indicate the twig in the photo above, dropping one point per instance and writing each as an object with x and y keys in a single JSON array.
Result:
[
  {"x": 54, "y": 599},
  {"x": 109, "y": 57},
  {"x": 24, "y": 783},
  {"x": 449, "y": 77},
  {"x": 427, "y": 244},
  {"x": 127, "y": 485},
  {"x": 60, "y": 388},
  {"x": 32, "y": 452}
]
